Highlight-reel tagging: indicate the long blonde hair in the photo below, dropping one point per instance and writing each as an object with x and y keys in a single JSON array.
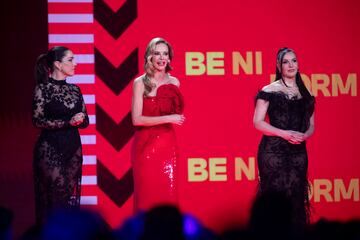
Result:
[{"x": 148, "y": 66}]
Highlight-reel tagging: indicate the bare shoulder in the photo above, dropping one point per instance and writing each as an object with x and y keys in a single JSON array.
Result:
[
  {"x": 174, "y": 80},
  {"x": 139, "y": 81},
  {"x": 272, "y": 87},
  {"x": 138, "y": 84}
]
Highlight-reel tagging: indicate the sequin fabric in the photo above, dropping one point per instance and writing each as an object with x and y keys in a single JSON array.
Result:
[{"x": 155, "y": 152}]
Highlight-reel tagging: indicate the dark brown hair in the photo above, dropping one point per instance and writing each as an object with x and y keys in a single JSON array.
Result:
[{"x": 45, "y": 63}]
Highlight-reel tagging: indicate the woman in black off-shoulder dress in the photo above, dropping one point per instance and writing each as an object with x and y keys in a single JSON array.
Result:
[
  {"x": 282, "y": 154},
  {"x": 58, "y": 110}
]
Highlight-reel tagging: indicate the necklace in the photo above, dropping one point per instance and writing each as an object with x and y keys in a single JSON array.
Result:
[{"x": 292, "y": 91}]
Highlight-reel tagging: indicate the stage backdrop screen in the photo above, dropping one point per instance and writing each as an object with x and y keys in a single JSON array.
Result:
[{"x": 225, "y": 52}]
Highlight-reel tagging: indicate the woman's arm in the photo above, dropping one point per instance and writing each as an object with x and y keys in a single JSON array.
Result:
[
  {"x": 269, "y": 130},
  {"x": 38, "y": 116},
  {"x": 259, "y": 120},
  {"x": 311, "y": 128},
  {"x": 84, "y": 118}
]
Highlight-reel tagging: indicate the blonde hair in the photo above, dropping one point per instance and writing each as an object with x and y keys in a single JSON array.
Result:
[{"x": 148, "y": 66}]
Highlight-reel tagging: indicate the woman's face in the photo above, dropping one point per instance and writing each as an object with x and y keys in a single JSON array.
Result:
[
  {"x": 289, "y": 65},
  {"x": 160, "y": 56},
  {"x": 68, "y": 64}
]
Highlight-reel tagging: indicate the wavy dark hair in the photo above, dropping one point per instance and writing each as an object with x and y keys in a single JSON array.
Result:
[
  {"x": 45, "y": 63},
  {"x": 148, "y": 67}
]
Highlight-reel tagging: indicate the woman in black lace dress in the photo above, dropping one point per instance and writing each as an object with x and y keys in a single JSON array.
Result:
[
  {"x": 282, "y": 155},
  {"x": 58, "y": 110}
]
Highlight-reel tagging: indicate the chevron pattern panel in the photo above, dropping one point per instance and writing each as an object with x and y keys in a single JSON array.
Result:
[{"x": 98, "y": 32}]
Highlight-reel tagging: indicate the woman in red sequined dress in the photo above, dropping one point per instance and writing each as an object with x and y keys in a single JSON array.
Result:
[{"x": 157, "y": 104}]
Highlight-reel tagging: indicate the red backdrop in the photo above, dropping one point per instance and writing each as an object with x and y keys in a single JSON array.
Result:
[{"x": 224, "y": 53}]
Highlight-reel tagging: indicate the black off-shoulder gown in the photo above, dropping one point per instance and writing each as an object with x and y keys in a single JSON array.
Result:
[{"x": 282, "y": 165}]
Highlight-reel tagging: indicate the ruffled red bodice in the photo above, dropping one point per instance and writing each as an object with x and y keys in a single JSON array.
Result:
[{"x": 168, "y": 100}]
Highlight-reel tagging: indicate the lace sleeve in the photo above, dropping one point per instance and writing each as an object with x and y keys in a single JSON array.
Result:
[
  {"x": 38, "y": 116},
  {"x": 85, "y": 123}
]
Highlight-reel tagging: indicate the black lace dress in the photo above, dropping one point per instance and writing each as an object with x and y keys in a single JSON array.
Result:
[
  {"x": 282, "y": 165},
  {"x": 57, "y": 154}
]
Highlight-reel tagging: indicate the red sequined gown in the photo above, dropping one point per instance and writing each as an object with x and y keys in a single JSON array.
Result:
[{"x": 155, "y": 152}]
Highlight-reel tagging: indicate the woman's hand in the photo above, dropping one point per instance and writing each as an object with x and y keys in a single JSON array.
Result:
[
  {"x": 293, "y": 137},
  {"x": 77, "y": 119},
  {"x": 176, "y": 119}
]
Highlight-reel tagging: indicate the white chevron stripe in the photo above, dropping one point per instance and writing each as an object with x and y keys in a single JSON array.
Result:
[
  {"x": 89, "y": 180},
  {"x": 70, "y": 1},
  {"x": 89, "y": 98},
  {"x": 82, "y": 79},
  {"x": 89, "y": 160},
  {"x": 88, "y": 139},
  {"x": 71, "y": 38},
  {"x": 84, "y": 58},
  {"x": 88, "y": 200},
  {"x": 70, "y": 18},
  {"x": 92, "y": 119}
]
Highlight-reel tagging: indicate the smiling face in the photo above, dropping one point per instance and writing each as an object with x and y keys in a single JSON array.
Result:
[
  {"x": 289, "y": 65},
  {"x": 160, "y": 57},
  {"x": 67, "y": 64}
]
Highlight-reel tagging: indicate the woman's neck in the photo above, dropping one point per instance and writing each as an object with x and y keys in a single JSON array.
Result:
[
  {"x": 289, "y": 82},
  {"x": 56, "y": 75},
  {"x": 160, "y": 77}
]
